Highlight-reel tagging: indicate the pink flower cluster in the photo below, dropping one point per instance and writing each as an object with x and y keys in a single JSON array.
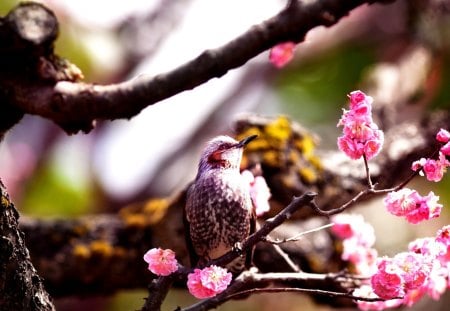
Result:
[
  {"x": 410, "y": 204},
  {"x": 434, "y": 169},
  {"x": 282, "y": 54},
  {"x": 204, "y": 283},
  {"x": 424, "y": 269},
  {"x": 358, "y": 237},
  {"x": 400, "y": 274},
  {"x": 208, "y": 282},
  {"x": 259, "y": 192},
  {"x": 161, "y": 261},
  {"x": 361, "y": 135}
]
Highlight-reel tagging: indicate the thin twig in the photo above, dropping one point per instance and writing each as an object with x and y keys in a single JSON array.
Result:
[
  {"x": 360, "y": 195},
  {"x": 366, "y": 165},
  {"x": 298, "y": 236},
  {"x": 306, "y": 290},
  {"x": 286, "y": 258}
]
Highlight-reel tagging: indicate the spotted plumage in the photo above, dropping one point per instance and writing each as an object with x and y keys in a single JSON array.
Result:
[{"x": 219, "y": 212}]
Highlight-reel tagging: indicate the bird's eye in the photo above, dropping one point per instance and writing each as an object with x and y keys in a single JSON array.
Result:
[{"x": 224, "y": 146}]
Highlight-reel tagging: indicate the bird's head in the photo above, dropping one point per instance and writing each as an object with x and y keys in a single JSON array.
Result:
[{"x": 223, "y": 152}]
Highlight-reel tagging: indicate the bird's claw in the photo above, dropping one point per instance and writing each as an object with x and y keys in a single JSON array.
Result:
[{"x": 237, "y": 247}]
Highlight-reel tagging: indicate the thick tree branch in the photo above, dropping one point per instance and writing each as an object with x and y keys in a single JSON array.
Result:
[
  {"x": 76, "y": 106},
  {"x": 251, "y": 282}
]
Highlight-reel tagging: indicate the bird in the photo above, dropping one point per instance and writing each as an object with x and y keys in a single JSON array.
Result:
[{"x": 219, "y": 213}]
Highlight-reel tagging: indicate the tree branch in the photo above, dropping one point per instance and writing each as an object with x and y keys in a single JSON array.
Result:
[
  {"x": 75, "y": 106},
  {"x": 250, "y": 282}
]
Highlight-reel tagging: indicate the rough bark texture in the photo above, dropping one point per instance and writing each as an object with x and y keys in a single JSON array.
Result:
[{"x": 20, "y": 286}]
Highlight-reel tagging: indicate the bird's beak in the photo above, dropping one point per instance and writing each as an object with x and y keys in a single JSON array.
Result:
[{"x": 245, "y": 141}]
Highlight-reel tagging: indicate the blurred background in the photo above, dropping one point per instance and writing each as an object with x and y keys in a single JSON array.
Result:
[{"x": 50, "y": 174}]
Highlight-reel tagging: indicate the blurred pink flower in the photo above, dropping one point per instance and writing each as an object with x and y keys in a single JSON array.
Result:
[
  {"x": 387, "y": 282},
  {"x": 443, "y": 136},
  {"x": 282, "y": 54},
  {"x": 373, "y": 146},
  {"x": 445, "y": 150},
  {"x": 358, "y": 238},
  {"x": 259, "y": 192},
  {"x": 429, "y": 247},
  {"x": 416, "y": 165},
  {"x": 435, "y": 169},
  {"x": 366, "y": 291},
  {"x": 443, "y": 235},
  {"x": 358, "y": 98},
  {"x": 161, "y": 261},
  {"x": 208, "y": 282}
]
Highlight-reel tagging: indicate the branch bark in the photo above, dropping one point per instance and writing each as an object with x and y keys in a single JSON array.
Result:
[
  {"x": 75, "y": 106},
  {"x": 20, "y": 286}
]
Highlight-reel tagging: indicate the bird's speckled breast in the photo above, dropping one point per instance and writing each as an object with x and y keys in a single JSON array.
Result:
[{"x": 218, "y": 209}]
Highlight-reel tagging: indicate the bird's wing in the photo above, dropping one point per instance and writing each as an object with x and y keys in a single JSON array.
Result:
[
  {"x": 193, "y": 257},
  {"x": 249, "y": 255}
]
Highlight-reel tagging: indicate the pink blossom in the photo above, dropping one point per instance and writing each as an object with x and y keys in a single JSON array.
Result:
[
  {"x": 434, "y": 170},
  {"x": 358, "y": 97},
  {"x": 422, "y": 270},
  {"x": 415, "y": 269},
  {"x": 365, "y": 291},
  {"x": 431, "y": 205},
  {"x": 282, "y": 54},
  {"x": 259, "y": 192},
  {"x": 362, "y": 257},
  {"x": 443, "y": 239},
  {"x": 347, "y": 226},
  {"x": 445, "y": 150},
  {"x": 387, "y": 282},
  {"x": 208, "y": 282},
  {"x": 396, "y": 276},
  {"x": 413, "y": 296},
  {"x": 402, "y": 202},
  {"x": 443, "y": 235},
  {"x": 361, "y": 135},
  {"x": 358, "y": 130},
  {"x": 443, "y": 136},
  {"x": 161, "y": 261},
  {"x": 437, "y": 281},
  {"x": 350, "y": 147},
  {"x": 411, "y": 205},
  {"x": 358, "y": 238},
  {"x": 428, "y": 247},
  {"x": 373, "y": 146},
  {"x": 418, "y": 164}
]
